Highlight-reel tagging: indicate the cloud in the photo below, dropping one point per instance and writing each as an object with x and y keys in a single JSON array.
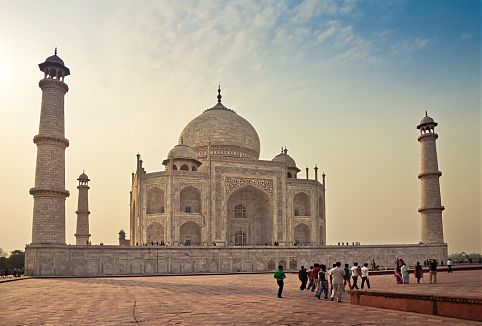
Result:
[
  {"x": 465, "y": 36},
  {"x": 410, "y": 45}
]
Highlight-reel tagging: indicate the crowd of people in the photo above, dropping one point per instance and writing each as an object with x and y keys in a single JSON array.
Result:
[
  {"x": 327, "y": 282},
  {"x": 402, "y": 272},
  {"x": 16, "y": 272},
  {"x": 331, "y": 282}
]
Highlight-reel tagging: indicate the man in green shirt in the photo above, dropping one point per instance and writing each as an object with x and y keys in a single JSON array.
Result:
[{"x": 279, "y": 275}]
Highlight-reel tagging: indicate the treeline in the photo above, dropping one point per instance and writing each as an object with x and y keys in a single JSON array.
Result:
[
  {"x": 463, "y": 257},
  {"x": 16, "y": 259}
]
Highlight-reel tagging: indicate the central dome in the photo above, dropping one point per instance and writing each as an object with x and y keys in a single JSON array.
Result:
[{"x": 230, "y": 135}]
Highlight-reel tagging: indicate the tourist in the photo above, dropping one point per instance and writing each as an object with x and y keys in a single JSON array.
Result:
[
  {"x": 364, "y": 276},
  {"x": 398, "y": 273},
  {"x": 374, "y": 265},
  {"x": 330, "y": 277},
  {"x": 418, "y": 272},
  {"x": 323, "y": 277},
  {"x": 354, "y": 274},
  {"x": 432, "y": 267},
  {"x": 404, "y": 271},
  {"x": 337, "y": 281},
  {"x": 310, "y": 278},
  {"x": 449, "y": 265},
  {"x": 279, "y": 275},
  {"x": 346, "y": 277},
  {"x": 316, "y": 271},
  {"x": 303, "y": 277}
]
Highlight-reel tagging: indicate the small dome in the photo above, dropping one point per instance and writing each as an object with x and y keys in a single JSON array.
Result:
[
  {"x": 55, "y": 59},
  {"x": 182, "y": 151},
  {"x": 83, "y": 177},
  {"x": 426, "y": 119},
  {"x": 285, "y": 158},
  {"x": 122, "y": 232}
]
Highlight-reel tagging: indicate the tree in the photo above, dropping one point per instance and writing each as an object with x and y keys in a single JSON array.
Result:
[
  {"x": 16, "y": 260},
  {"x": 3, "y": 259}
]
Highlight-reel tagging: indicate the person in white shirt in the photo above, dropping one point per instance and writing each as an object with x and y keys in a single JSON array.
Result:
[
  {"x": 364, "y": 275},
  {"x": 449, "y": 264},
  {"x": 354, "y": 275},
  {"x": 337, "y": 281}
]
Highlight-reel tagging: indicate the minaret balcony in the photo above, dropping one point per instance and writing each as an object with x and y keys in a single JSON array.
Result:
[
  {"x": 56, "y": 193},
  {"x": 50, "y": 139},
  {"x": 435, "y": 174}
]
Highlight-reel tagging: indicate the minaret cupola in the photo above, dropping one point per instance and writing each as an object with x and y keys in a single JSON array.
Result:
[{"x": 54, "y": 67}]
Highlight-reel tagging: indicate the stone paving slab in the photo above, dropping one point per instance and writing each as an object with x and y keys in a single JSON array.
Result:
[{"x": 204, "y": 300}]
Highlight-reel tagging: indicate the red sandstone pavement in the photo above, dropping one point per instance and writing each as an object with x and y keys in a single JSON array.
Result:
[{"x": 209, "y": 300}]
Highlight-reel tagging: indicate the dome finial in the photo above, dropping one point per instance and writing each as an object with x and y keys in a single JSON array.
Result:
[
  {"x": 426, "y": 113},
  {"x": 219, "y": 94},
  {"x": 55, "y": 51}
]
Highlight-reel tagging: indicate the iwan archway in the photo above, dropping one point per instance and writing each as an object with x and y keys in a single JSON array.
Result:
[{"x": 249, "y": 217}]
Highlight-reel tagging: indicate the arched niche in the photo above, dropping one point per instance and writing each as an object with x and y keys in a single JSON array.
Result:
[
  {"x": 190, "y": 234},
  {"x": 154, "y": 233},
  {"x": 190, "y": 200},
  {"x": 302, "y": 234},
  {"x": 155, "y": 201},
  {"x": 301, "y": 204}
]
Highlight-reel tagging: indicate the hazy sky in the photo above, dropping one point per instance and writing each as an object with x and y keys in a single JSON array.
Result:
[{"x": 342, "y": 84}]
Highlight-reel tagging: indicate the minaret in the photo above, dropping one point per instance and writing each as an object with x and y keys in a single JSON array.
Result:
[
  {"x": 49, "y": 192},
  {"x": 430, "y": 203},
  {"x": 82, "y": 232}
]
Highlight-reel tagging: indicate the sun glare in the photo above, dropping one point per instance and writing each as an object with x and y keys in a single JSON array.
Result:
[{"x": 3, "y": 71}]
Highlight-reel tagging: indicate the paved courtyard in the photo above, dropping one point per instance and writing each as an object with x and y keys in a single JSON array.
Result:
[{"x": 209, "y": 300}]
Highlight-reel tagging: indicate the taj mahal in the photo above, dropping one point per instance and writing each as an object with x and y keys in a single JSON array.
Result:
[
  {"x": 215, "y": 206},
  {"x": 215, "y": 190}
]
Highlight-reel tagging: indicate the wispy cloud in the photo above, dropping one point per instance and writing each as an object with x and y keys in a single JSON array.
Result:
[
  {"x": 410, "y": 45},
  {"x": 466, "y": 36}
]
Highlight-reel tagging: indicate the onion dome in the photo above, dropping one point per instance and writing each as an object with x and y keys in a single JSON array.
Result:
[{"x": 225, "y": 132}]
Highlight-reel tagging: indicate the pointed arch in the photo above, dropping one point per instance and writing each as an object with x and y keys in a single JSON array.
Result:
[
  {"x": 301, "y": 204},
  {"x": 190, "y": 234},
  {"x": 155, "y": 201},
  {"x": 155, "y": 233},
  {"x": 302, "y": 234},
  {"x": 190, "y": 200}
]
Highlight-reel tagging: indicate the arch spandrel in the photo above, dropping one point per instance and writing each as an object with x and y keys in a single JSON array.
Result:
[{"x": 232, "y": 184}]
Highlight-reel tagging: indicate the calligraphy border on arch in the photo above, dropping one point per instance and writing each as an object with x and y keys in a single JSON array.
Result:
[{"x": 231, "y": 183}]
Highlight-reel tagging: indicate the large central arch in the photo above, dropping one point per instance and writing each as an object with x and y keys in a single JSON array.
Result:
[{"x": 255, "y": 221}]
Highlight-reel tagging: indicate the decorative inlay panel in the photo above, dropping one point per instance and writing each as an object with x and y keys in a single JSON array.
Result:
[{"x": 231, "y": 183}]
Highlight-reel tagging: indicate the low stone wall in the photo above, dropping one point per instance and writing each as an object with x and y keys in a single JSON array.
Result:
[
  {"x": 70, "y": 260},
  {"x": 466, "y": 308}
]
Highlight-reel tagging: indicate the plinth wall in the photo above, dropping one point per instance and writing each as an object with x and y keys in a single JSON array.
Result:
[{"x": 70, "y": 260}]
